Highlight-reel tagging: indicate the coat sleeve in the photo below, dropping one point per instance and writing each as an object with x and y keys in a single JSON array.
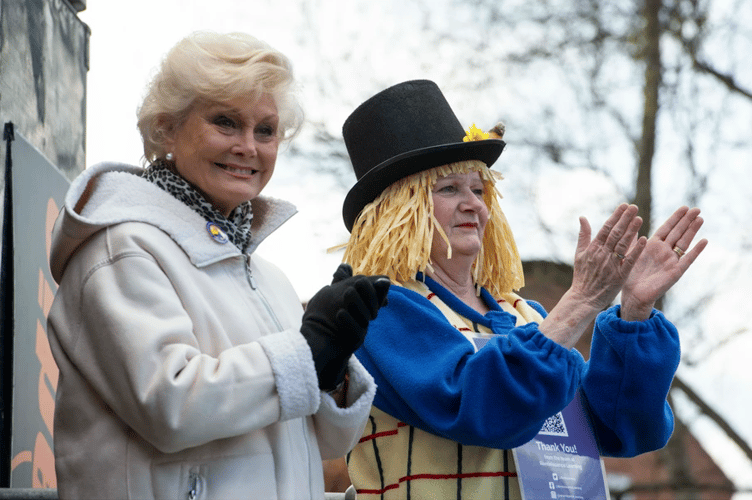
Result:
[
  {"x": 339, "y": 429},
  {"x": 125, "y": 329},
  {"x": 626, "y": 382},
  {"x": 429, "y": 375}
]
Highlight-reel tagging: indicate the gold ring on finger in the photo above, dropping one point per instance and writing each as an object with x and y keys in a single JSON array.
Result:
[
  {"x": 678, "y": 251},
  {"x": 619, "y": 256}
]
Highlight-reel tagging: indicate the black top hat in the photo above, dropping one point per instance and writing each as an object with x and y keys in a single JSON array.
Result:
[{"x": 402, "y": 130}]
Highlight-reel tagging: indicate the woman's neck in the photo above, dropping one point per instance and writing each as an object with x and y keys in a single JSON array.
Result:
[{"x": 457, "y": 277}]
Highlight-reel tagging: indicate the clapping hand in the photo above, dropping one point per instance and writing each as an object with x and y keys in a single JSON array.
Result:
[
  {"x": 602, "y": 266},
  {"x": 664, "y": 260},
  {"x": 618, "y": 261}
]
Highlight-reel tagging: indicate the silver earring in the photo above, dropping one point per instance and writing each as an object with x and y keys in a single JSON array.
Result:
[{"x": 169, "y": 157}]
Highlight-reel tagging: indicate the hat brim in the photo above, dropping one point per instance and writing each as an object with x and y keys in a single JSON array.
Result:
[{"x": 373, "y": 183}]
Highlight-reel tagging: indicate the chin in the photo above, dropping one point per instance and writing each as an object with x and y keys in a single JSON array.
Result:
[{"x": 466, "y": 248}]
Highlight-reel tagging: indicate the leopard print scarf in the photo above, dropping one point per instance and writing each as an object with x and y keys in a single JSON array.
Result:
[{"x": 237, "y": 225}]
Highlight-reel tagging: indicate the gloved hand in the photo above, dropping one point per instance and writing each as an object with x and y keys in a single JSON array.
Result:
[{"x": 336, "y": 320}]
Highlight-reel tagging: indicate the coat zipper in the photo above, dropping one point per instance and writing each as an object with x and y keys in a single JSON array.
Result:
[
  {"x": 194, "y": 480},
  {"x": 252, "y": 282},
  {"x": 248, "y": 272}
]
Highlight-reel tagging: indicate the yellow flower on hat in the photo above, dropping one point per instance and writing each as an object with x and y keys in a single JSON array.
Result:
[{"x": 475, "y": 134}]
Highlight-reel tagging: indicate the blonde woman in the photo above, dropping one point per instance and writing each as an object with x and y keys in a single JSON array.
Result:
[
  {"x": 466, "y": 369},
  {"x": 187, "y": 366}
]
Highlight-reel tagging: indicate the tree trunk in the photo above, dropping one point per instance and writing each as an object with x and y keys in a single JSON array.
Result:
[
  {"x": 653, "y": 79},
  {"x": 673, "y": 453}
]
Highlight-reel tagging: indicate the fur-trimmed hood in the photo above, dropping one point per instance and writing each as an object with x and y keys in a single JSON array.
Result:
[{"x": 112, "y": 193}]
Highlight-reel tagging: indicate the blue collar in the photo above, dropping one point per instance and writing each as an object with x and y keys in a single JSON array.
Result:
[{"x": 496, "y": 319}]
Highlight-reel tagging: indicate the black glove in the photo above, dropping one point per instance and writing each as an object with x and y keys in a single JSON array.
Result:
[{"x": 336, "y": 320}]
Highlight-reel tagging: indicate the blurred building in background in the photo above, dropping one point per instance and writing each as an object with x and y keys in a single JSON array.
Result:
[{"x": 44, "y": 58}]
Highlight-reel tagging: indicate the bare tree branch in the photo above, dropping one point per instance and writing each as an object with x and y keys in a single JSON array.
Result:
[
  {"x": 714, "y": 416},
  {"x": 728, "y": 80}
]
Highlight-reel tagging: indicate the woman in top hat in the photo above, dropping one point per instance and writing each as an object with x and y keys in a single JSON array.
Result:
[
  {"x": 188, "y": 368},
  {"x": 425, "y": 212}
]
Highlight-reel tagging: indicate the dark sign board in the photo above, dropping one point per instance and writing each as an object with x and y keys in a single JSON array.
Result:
[{"x": 34, "y": 191}]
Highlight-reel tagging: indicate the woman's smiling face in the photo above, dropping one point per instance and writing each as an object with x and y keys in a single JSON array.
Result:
[
  {"x": 461, "y": 212},
  {"x": 227, "y": 150}
]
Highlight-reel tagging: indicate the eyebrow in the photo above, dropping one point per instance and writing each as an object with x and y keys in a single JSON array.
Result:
[
  {"x": 448, "y": 176},
  {"x": 218, "y": 107}
]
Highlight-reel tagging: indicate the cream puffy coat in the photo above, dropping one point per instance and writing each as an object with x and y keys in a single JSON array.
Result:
[{"x": 183, "y": 373}]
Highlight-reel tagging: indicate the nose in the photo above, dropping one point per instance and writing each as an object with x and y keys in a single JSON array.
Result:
[
  {"x": 245, "y": 145},
  {"x": 470, "y": 201}
]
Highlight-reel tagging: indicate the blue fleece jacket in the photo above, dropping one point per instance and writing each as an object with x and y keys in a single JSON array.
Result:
[{"x": 430, "y": 376}]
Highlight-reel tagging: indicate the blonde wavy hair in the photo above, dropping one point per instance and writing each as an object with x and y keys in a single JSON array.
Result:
[
  {"x": 393, "y": 234},
  {"x": 213, "y": 67}
]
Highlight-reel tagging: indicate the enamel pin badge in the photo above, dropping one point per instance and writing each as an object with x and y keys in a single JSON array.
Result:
[{"x": 217, "y": 233}]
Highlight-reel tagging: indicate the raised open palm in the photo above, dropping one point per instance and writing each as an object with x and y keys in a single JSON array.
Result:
[{"x": 664, "y": 260}]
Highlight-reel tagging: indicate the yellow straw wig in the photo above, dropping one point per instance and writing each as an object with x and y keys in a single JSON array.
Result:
[{"x": 393, "y": 234}]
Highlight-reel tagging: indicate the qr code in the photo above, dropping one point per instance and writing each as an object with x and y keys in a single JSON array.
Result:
[{"x": 554, "y": 426}]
